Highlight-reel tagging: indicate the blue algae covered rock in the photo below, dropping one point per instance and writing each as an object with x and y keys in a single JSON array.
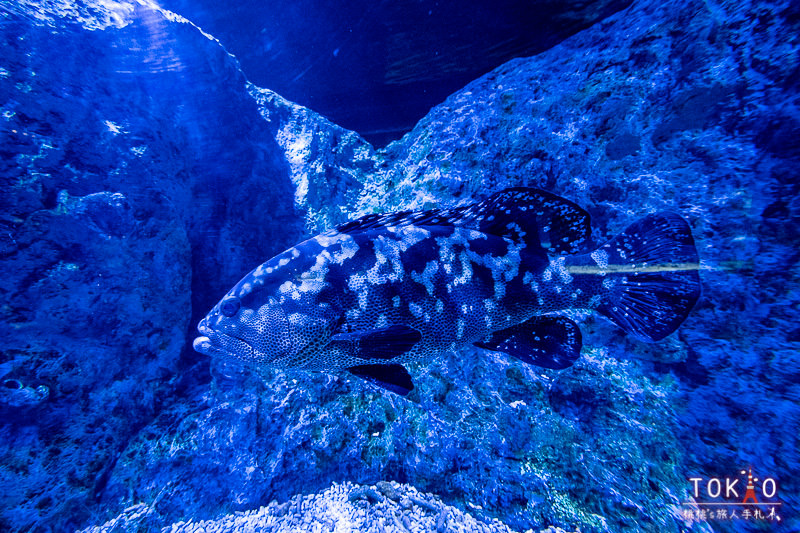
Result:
[
  {"x": 135, "y": 166},
  {"x": 143, "y": 176},
  {"x": 386, "y": 507},
  {"x": 88, "y": 286}
]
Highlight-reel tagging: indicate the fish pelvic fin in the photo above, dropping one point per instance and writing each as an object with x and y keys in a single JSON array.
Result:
[
  {"x": 646, "y": 278},
  {"x": 392, "y": 377}
]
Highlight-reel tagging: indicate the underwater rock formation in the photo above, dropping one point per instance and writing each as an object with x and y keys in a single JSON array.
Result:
[
  {"x": 14, "y": 394},
  {"x": 142, "y": 176},
  {"x": 682, "y": 106},
  {"x": 390, "y": 508},
  {"x": 135, "y": 166},
  {"x": 398, "y": 60}
]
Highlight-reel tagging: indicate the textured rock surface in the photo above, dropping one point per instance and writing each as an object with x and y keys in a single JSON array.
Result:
[
  {"x": 689, "y": 106},
  {"x": 390, "y": 508},
  {"x": 142, "y": 176},
  {"x": 136, "y": 174},
  {"x": 480, "y": 431}
]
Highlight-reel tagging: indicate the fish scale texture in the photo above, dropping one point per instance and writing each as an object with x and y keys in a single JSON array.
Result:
[{"x": 671, "y": 105}]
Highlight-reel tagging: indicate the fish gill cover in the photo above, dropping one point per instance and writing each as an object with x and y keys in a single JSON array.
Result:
[{"x": 143, "y": 175}]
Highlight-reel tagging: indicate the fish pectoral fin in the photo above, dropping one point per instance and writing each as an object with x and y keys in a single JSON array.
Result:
[
  {"x": 546, "y": 341},
  {"x": 391, "y": 377},
  {"x": 384, "y": 343}
]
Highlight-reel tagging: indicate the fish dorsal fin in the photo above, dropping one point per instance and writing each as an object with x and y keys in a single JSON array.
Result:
[
  {"x": 522, "y": 214},
  {"x": 379, "y": 220},
  {"x": 532, "y": 216}
]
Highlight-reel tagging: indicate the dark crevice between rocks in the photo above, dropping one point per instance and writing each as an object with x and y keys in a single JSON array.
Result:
[{"x": 401, "y": 58}]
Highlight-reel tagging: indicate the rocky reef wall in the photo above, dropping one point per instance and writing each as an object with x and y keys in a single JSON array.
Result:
[{"x": 142, "y": 175}]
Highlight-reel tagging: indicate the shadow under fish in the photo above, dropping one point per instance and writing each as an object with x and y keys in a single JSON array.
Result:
[{"x": 384, "y": 290}]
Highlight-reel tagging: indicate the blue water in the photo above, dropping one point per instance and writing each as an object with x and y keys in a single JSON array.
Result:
[{"x": 150, "y": 160}]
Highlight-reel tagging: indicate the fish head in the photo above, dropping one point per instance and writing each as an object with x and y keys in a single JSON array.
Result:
[
  {"x": 246, "y": 325},
  {"x": 271, "y": 315}
]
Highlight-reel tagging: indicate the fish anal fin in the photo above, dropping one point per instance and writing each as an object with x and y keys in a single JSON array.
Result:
[
  {"x": 392, "y": 377},
  {"x": 547, "y": 341}
]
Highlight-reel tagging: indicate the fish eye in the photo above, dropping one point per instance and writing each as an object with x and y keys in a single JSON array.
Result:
[{"x": 230, "y": 306}]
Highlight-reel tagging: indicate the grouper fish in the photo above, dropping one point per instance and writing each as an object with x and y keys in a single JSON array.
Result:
[{"x": 385, "y": 290}]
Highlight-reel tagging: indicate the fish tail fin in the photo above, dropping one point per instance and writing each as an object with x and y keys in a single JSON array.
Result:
[{"x": 651, "y": 279}]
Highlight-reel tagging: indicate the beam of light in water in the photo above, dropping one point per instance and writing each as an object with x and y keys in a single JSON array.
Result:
[{"x": 661, "y": 267}]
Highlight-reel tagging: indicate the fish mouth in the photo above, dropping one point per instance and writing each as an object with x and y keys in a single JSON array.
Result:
[{"x": 218, "y": 344}]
